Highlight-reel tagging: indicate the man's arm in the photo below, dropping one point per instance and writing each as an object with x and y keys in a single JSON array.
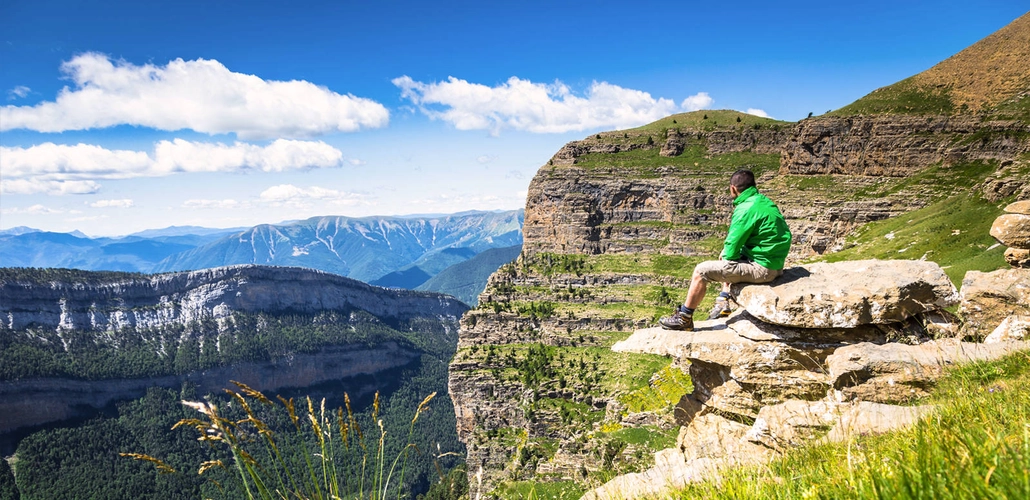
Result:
[{"x": 741, "y": 227}]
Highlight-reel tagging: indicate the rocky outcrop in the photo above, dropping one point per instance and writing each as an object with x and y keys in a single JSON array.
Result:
[
  {"x": 761, "y": 389},
  {"x": 849, "y": 294},
  {"x": 897, "y": 145}
]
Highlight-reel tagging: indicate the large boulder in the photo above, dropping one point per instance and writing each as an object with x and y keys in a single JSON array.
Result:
[
  {"x": 989, "y": 298},
  {"x": 849, "y": 294},
  {"x": 891, "y": 373},
  {"x": 1012, "y": 230}
]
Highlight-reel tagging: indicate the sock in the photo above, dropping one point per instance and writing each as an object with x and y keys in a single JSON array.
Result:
[
  {"x": 724, "y": 295},
  {"x": 686, "y": 310}
]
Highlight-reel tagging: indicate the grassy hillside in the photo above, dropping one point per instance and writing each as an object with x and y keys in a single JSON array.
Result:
[
  {"x": 974, "y": 446},
  {"x": 992, "y": 75},
  {"x": 953, "y": 230}
]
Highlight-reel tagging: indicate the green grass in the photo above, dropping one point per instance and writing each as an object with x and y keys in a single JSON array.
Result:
[
  {"x": 976, "y": 445},
  {"x": 647, "y": 436},
  {"x": 904, "y": 97},
  {"x": 717, "y": 118},
  {"x": 694, "y": 159},
  {"x": 954, "y": 232},
  {"x": 535, "y": 490},
  {"x": 1015, "y": 108},
  {"x": 665, "y": 389}
]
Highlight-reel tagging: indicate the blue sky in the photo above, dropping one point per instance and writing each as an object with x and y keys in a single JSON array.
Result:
[{"x": 122, "y": 116}]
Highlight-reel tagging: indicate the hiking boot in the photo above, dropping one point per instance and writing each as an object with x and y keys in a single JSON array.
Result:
[
  {"x": 678, "y": 321},
  {"x": 721, "y": 309}
]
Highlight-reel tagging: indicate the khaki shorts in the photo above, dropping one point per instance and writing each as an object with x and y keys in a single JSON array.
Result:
[{"x": 735, "y": 271}]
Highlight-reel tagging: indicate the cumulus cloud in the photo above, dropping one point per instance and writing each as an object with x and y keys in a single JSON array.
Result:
[
  {"x": 698, "y": 101},
  {"x": 519, "y": 104},
  {"x": 75, "y": 169},
  {"x": 201, "y": 95},
  {"x": 19, "y": 92},
  {"x": 294, "y": 195},
  {"x": 757, "y": 112},
  {"x": 123, "y": 203}
]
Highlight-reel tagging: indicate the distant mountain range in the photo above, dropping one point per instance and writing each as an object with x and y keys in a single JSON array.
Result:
[{"x": 398, "y": 252}]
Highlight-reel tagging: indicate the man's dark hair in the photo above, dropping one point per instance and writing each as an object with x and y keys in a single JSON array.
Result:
[{"x": 742, "y": 179}]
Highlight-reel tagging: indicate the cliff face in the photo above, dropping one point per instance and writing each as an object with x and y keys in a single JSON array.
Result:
[
  {"x": 898, "y": 145},
  {"x": 179, "y": 298},
  {"x": 614, "y": 225},
  {"x": 74, "y": 341}
]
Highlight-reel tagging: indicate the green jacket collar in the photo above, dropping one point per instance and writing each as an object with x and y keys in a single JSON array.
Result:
[{"x": 749, "y": 192}]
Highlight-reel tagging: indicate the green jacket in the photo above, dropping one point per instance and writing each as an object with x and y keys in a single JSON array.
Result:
[{"x": 757, "y": 231}]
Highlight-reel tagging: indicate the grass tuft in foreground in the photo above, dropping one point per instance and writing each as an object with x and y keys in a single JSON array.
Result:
[
  {"x": 976, "y": 445},
  {"x": 327, "y": 456}
]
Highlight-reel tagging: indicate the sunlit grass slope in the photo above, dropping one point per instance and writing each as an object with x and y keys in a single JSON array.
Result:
[{"x": 975, "y": 445}]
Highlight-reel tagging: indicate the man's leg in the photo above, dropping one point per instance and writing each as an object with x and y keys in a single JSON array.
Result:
[
  {"x": 696, "y": 293},
  {"x": 683, "y": 318},
  {"x": 722, "y": 308}
]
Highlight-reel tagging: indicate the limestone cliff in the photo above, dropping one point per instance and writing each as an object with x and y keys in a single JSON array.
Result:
[
  {"x": 615, "y": 223},
  {"x": 73, "y": 341},
  {"x": 898, "y": 145}
]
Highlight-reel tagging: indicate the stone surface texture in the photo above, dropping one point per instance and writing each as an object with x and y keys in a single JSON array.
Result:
[
  {"x": 1012, "y": 328},
  {"x": 1012, "y": 230},
  {"x": 849, "y": 294},
  {"x": 892, "y": 373},
  {"x": 989, "y": 298},
  {"x": 1019, "y": 207},
  {"x": 1018, "y": 257}
]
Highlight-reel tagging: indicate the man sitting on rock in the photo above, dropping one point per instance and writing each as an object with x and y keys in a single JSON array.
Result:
[{"x": 755, "y": 251}]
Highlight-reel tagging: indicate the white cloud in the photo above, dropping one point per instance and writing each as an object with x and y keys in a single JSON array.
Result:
[
  {"x": 123, "y": 203},
  {"x": 19, "y": 92},
  {"x": 356, "y": 162},
  {"x": 53, "y": 187},
  {"x": 201, "y": 95},
  {"x": 75, "y": 169},
  {"x": 698, "y": 101},
  {"x": 514, "y": 174},
  {"x": 212, "y": 204},
  {"x": 288, "y": 194},
  {"x": 33, "y": 210},
  {"x": 535, "y": 107},
  {"x": 484, "y": 159},
  {"x": 757, "y": 112}
]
